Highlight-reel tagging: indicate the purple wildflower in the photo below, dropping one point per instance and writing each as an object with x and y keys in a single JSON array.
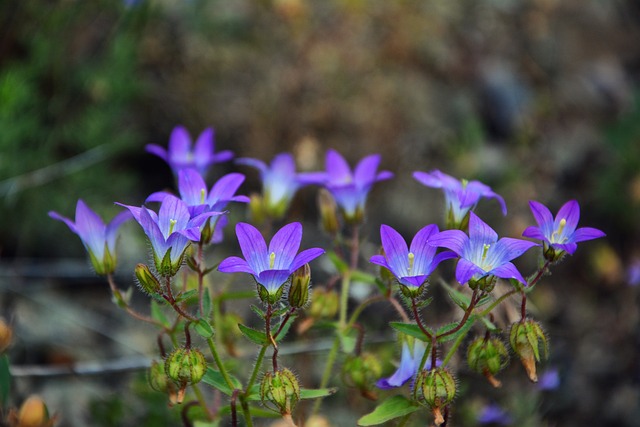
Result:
[
  {"x": 550, "y": 380},
  {"x": 411, "y": 266},
  {"x": 98, "y": 239},
  {"x": 280, "y": 181},
  {"x": 493, "y": 414},
  {"x": 559, "y": 234},
  {"x": 461, "y": 196},
  {"x": 481, "y": 253},
  {"x": 409, "y": 365},
  {"x": 350, "y": 189},
  {"x": 180, "y": 155},
  {"x": 270, "y": 267},
  {"x": 633, "y": 273},
  {"x": 170, "y": 231}
]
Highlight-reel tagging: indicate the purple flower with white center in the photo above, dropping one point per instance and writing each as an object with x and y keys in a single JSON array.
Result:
[
  {"x": 461, "y": 196},
  {"x": 180, "y": 155},
  {"x": 482, "y": 255},
  {"x": 98, "y": 239},
  {"x": 409, "y": 364},
  {"x": 170, "y": 231},
  {"x": 411, "y": 266},
  {"x": 272, "y": 266},
  {"x": 493, "y": 414},
  {"x": 350, "y": 189},
  {"x": 559, "y": 235},
  {"x": 280, "y": 181}
]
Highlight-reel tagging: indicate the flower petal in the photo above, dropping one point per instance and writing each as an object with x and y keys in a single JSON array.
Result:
[
  {"x": 541, "y": 214},
  {"x": 225, "y": 188},
  {"x": 455, "y": 240},
  {"x": 465, "y": 270},
  {"x": 91, "y": 229},
  {"x": 480, "y": 232},
  {"x": 273, "y": 279},
  {"x": 534, "y": 232},
  {"x": 111, "y": 232},
  {"x": 235, "y": 264},
  {"x": 508, "y": 271},
  {"x": 285, "y": 244},
  {"x": 422, "y": 251},
  {"x": 158, "y": 151},
  {"x": 305, "y": 256},
  {"x": 337, "y": 168},
  {"x": 179, "y": 146},
  {"x": 253, "y": 247},
  {"x": 158, "y": 196},
  {"x": 365, "y": 172},
  {"x": 70, "y": 224},
  {"x": 570, "y": 212},
  {"x": 203, "y": 150},
  {"x": 173, "y": 215},
  {"x": 513, "y": 248},
  {"x": 404, "y": 373},
  {"x": 192, "y": 187},
  {"x": 395, "y": 250},
  {"x": 586, "y": 233},
  {"x": 254, "y": 163}
]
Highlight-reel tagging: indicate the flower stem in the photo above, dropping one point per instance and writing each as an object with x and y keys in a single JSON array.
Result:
[
  {"x": 416, "y": 315},
  {"x": 221, "y": 368},
  {"x": 453, "y": 349},
  {"x": 202, "y": 401},
  {"x": 344, "y": 299},
  {"x": 246, "y": 411},
  {"x": 256, "y": 368},
  {"x": 328, "y": 370}
]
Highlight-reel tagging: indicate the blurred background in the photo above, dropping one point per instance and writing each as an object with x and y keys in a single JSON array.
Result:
[{"x": 537, "y": 98}]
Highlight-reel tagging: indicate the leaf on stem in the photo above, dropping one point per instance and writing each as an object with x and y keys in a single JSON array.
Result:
[
  {"x": 338, "y": 262},
  {"x": 157, "y": 314},
  {"x": 391, "y": 408},
  {"x": 410, "y": 329},
  {"x": 253, "y": 335},
  {"x": 216, "y": 380},
  {"x": 203, "y": 328}
]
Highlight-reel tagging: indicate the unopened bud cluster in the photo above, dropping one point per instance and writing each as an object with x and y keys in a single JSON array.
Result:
[
  {"x": 526, "y": 338},
  {"x": 186, "y": 365},
  {"x": 488, "y": 357},
  {"x": 361, "y": 371},
  {"x": 280, "y": 389},
  {"x": 437, "y": 388}
]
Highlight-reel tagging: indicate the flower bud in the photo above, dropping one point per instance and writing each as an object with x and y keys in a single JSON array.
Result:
[
  {"x": 488, "y": 357},
  {"x": 361, "y": 371},
  {"x": 485, "y": 283},
  {"x": 157, "y": 377},
  {"x": 324, "y": 304},
  {"x": 298, "y": 295},
  {"x": 552, "y": 254},
  {"x": 257, "y": 209},
  {"x": 185, "y": 365},
  {"x": 166, "y": 267},
  {"x": 281, "y": 389},
  {"x": 525, "y": 339},
  {"x": 328, "y": 212},
  {"x": 270, "y": 297},
  {"x": 6, "y": 335},
  {"x": 148, "y": 282},
  {"x": 103, "y": 266},
  {"x": 33, "y": 413},
  {"x": 438, "y": 388}
]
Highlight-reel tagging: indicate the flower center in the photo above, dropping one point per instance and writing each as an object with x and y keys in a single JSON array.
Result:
[
  {"x": 272, "y": 259},
  {"x": 172, "y": 225},
  {"x": 464, "y": 183},
  {"x": 556, "y": 236},
  {"x": 485, "y": 250},
  {"x": 203, "y": 193},
  {"x": 412, "y": 258}
]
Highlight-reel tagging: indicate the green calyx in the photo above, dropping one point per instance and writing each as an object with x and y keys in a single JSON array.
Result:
[
  {"x": 280, "y": 390},
  {"x": 185, "y": 365}
]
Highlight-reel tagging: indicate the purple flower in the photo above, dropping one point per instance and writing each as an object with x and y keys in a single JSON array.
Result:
[
  {"x": 461, "y": 196},
  {"x": 350, "y": 189},
  {"x": 170, "y": 231},
  {"x": 493, "y": 414},
  {"x": 409, "y": 364},
  {"x": 180, "y": 154},
  {"x": 270, "y": 267},
  {"x": 633, "y": 273},
  {"x": 98, "y": 239},
  {"x": 559, "y": 234},
  {"x": 411, "y": 266},
  {"x": 481, "y": 253},
  {"x": 280, "y": 181},
  {"x": 550, "y": 380}
]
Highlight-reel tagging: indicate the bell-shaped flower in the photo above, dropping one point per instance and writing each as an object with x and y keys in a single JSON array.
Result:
[
  {"x": 559, "y": 235},
  {"x": 98, "y": 239},
  {"x": 280, "y": 181},
  {"x": 350, "y": 189},
  {"x": 409, "y": 364},
  {"x": 482, "y": 255},
  {"x": 170, "y": 231},
  {"x": 181, "y": 155},
  {"x": 461, "y": 196},
  {"x": 410, "y": 265},
  {"x": 272, "y": 266}
]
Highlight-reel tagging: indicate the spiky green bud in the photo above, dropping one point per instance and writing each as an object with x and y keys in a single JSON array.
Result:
[
  {"x": 280, "y": 390},
  {"x": 526, "y": 339},
  {"x": 186, "y": 365}
]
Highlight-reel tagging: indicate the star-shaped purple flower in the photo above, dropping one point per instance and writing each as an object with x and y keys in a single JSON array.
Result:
[
  {"x": 411, "y": 266},
  {"x": 271, "y": 267},
  {"x": 98, "y": 239},
  {"x": 481, "y": 253},
  {"x": 170, "y": 231},
  {"x": 350, "y": 189},
  {"x": 461, "y": 196},
  {"x": 180, "y": 155},
  {"x": 409, "y": 364},
  {"x": 559, "y": 234}
]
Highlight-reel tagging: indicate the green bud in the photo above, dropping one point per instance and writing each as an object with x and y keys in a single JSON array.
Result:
[
  {"x": 438, "y": 388},
  {"x": 281, "y": 389},
  {"x": 525, "y": 338},
  {"x": 103, "y": 266},
  {"x": 157, "y": 377},
  {"x": 298, "y": 295},
  {"x": 270, "y": 297},
  {"x": 148, "y": 282},
  {"x": 165, "y": 267},
  {"x": 552, "y": 254},
  {"x": 361, "y": 371},
  {"x": 324, "y": 304},
  {"x": 185, "y": 365},
  {"x": 328, "y": 212},
  {"x": 485, "y": 283},
  {"x": 488, "y": 357}
]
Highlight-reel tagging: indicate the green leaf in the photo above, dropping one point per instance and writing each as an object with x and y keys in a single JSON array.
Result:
[
  {"x": 257, "y": 310},
  {"x": 187, "y": 296},
  {"x": 348, "y": 340},
  {"x": 215, "y": 379},
  {"x": 206, "y": 304},
  {"x": 338, "y": 262},
  {"x": 285, "y": 329},
  {"x": 307, "y": 393},
  {"x": 450, "y": 326},
  {"x": 158, "y": 314},
  {"x": 460, "y": 299},
  {"x": 410, "y": 329},
  {"x": 5, "y": 381},
  {"x": 203, "y": 328},
  {"x": 491, "y": 327},
  {"x": 391, "y": 408},
  {"x": 252, "y": 335},
  {"x": 361, "y": 276}
]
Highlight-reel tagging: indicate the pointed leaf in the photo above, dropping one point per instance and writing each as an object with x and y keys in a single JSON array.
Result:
[
  {"x": 391, "y": 408},
  {"x": 157, "y": 314},
  {"x": 206, "y": 304},
  {"x": 338, "y": 262},
  {"x": 257, "y": 310},
  {"x": 307, "y": 393},
  {"x": 216, "y": 380},
  {"x": 361, "y": 276},
  {"x": 491, "y": 327},
  {"x": 460, "y": 299},
  {"x": 203, "y": 328},
  {"x": 462, "y": 331},
  {"x": 410, "y": 329},
  {"x": 187, "y": 296},
  {"x": 252, "y": 335}
]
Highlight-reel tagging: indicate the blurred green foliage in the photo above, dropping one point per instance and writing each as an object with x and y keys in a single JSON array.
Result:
[{"x": 68, "y": 89}]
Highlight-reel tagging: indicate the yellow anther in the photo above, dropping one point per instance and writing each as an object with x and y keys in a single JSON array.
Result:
[
  {"x": 203, "y": 194},
  {"x": 272, "y": 259},
  {"x": 411, "y": 257},
  {"x": 464, "y": 183},
  {"x": 485, "y": 249},
  {"x": 556, "y": 234},
  {"x": 172, "y": 225}
]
